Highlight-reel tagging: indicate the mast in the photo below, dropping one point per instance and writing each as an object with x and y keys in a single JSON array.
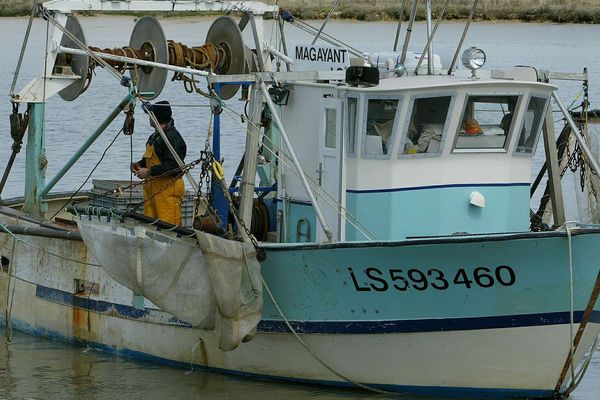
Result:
[
  {"x": 35, "y": 162},
  {"x": 430, "y": 43},
  {"x": 411, "y": 20}
]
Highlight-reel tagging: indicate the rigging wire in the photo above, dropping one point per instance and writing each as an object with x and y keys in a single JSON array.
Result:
[
  {"x": 82, "y": 46},
  {"x": 39, "y": 248},
  {"x": 23, "y": 47},
  {"x": 130, "y": 169},
  {"x": 340, "y": 209},
  {"x": 88, "y": 177}
]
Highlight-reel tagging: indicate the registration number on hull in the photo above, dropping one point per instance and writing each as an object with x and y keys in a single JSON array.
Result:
[{"x": 381, "y": 280}]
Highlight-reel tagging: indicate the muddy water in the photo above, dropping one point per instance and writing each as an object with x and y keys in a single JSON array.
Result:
[{"x": 36, "y": 368}]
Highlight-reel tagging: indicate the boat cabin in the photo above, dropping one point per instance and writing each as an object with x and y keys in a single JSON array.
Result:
[{"x": 411, "y": 157}]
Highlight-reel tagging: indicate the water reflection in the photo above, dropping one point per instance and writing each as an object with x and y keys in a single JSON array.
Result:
[{"x": 33, "y": 367}]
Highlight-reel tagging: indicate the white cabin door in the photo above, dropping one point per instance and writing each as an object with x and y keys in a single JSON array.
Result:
[{"x": 329, "y": 169}]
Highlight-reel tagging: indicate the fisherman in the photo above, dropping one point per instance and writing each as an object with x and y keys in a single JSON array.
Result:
[{"x": 164, "y": 189}]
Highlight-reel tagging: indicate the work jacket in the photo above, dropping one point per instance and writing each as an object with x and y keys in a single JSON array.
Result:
[{"x": 167, "y": 161}]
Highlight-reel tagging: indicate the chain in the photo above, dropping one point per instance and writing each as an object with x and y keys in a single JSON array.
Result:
[
  {"x": 156, "y": 193},
  {"x": 181, "y": 171},
  {"x": 260, "y": 253}
]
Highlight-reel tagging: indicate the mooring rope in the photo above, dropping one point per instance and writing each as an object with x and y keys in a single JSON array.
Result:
[
  {"x": 314, "y": 355},
  {"x": 584, "y": 368}
]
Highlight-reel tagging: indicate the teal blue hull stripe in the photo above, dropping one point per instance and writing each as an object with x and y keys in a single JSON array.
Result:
[
  {"x": 339, "y": 327},
  {"x": 444, "y": 391}
]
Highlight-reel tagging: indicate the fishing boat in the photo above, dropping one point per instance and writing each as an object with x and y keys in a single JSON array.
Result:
[{"x": 378, "y": 232}]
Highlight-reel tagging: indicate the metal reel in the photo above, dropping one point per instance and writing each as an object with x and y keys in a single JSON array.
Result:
[
  {"x": 79, "y": 63},
  {"x": 226, "y": 33},
  {"x": 149, "y": 36}
]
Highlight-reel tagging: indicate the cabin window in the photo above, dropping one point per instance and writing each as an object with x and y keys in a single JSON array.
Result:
[
  {"x": 352, "y": 114},
  {"x": 426, "y": 126},
  {"x": 486, "y": 122},
  {"x": 532, "y": 124},
  {"x": 381, "y": 114},
  {"x": 330, "y": 128}
]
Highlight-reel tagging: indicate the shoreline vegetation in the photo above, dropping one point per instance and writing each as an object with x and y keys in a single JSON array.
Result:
[{"x": 556, "y": 11}]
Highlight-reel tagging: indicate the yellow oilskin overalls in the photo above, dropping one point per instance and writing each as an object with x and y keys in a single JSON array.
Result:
[{"x": 162, "y": 195}]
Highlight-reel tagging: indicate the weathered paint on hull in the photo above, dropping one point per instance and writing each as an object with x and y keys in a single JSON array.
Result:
[{"x": 503, "y": 360}]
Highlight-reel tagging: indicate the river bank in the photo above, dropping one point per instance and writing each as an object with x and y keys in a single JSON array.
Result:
[{"x": 568, "y": 11}]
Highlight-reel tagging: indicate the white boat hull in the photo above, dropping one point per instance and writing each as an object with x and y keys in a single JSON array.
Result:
[{"x": 522, "y": 360}]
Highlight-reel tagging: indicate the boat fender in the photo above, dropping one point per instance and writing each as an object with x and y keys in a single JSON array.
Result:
[{"x": 218, "y": 170}]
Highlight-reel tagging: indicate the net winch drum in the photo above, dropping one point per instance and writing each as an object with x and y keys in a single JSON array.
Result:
[
  {"x": 149, "y": 37},
  {"x": 225, "y": 33},
  {"x": 79, "y": 64},
  {"x": 148, "y": 43}
]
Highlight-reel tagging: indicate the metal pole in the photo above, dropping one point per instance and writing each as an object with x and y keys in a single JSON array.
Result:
[
  {"x": 134, "y": 61},
  {"x": 249, "y": 176},
  {"x": 11, "y": 160},
  {"x": 283, "y": 42},
  {"x": 399, "y": 25},
  {"x": 326, "y": 20},
  {"x": 429, "y": 47},
  {"x": 413, "y": 15},
  {"x": 40, "y": 232},
  {"x": 575, "y": 130},
  {"x": 462, "y": 38},
  {"x": 429, "y": 40},
  {"x": 219, "y": 202},
  {"x": 558, "y": 207},
  {"x": 303, "y": 179},
  {"x": 35, "y": 164},
  {"x": 589, "y": 309},
  {"x": 87, "y": 144},
  {"x": 279, "y": 54}
]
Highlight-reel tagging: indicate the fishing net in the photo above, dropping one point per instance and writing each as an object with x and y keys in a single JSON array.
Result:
[{"x": 205, "y": 281}]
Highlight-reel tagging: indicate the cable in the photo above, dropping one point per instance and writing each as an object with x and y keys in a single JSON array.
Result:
[
  {"x": 313, "y": 354},
  {"x": 130, "y": 170},
  {"x": 82, "y": 46},
  {"x": 342, "y": 211},
  {"x": 5, "y": 228},
  {"x": 23, "y": 46},
  {"x": 88, "y": 177}
]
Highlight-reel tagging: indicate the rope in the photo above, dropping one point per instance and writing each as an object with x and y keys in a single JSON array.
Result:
[
  {"x": 88, "y": 177},
  {"x": 23, "y": 47},
  {"x": 584, "y": 368},
  {"x": 10, "y": 294},
  {"x": 313, "y": 354},
  {"x": 5, "y": 228},
  {"x": 571, "y": 344},
  {"x": 11, "y": 274}
]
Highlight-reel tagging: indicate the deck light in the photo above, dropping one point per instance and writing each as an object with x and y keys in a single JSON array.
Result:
[{"x": 473, "y": 59}]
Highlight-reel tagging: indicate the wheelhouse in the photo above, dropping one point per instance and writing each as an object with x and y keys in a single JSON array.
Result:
[{"x": 411, "y": 157}]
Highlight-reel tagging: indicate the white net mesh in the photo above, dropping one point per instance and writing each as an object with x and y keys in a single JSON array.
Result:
[{"x": 209, "y": 282}]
